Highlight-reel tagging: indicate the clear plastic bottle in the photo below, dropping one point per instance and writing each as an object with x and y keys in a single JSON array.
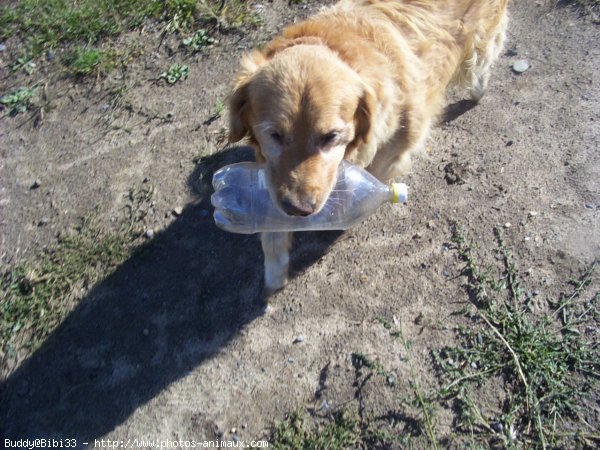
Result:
[{"x": 243, "y": 204}]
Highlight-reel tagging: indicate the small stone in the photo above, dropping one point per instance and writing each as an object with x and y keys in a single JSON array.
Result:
[
  {"x": 520, "y": 66},
  {"x": 526, "y": 238},
  {"x": 418, "y": 235},
  {"x": 290, "y": 360},
  {"x": 497, "y": 426},
  {"x": 431, "y": 225},
  {"x": 507, "y": 225},
  {"x": 445, "y": 273},
  {"x": 532, "y": 214},
  {"x": 299, "y": 339},
  {"x": 177, "y": 211},
  {"x": 535, "y": 293},
  {"x": 391, "y": 380},
  {"x": 36, "y": 184},
  {"x": 474, "y": 365},
  {"x": 590, "y": 206},
  {"x": 2, "y": 47},
  {"x": 149, "y": 233},
  {"x": 43, "y": 222},
  {"x": 233, "y": 430},
  {"x": 50, "y": 55}
]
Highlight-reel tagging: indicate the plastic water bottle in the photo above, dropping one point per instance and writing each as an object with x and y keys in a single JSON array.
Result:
[{"x": 243, "y": 204}]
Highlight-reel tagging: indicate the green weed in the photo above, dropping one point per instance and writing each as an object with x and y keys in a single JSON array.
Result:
[
  {"x": 175, "y": 73},
  {"x": 44, "y": 25},
  {"x": 545, "y": 364},
  {"x": 36, "y": 295},
  {"x": 18, "y": 101},
  {"x": 298, "y": 432},
  {"x": 199, "y": 40}
]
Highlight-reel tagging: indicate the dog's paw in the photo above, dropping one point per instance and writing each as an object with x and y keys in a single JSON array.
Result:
[{"x": 275, "y": 280}]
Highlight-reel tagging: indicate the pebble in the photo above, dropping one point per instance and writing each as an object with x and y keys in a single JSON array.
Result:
[
  {"x": 36, "y": 184},
  {"x": 507, "y": 225},
  {"x": 43, "y": 222},
  {"x": 520, "y": 66},
  {"x": 431, "y": 225},
  {"x": 299, "y": 339},
  {"x": 445, "y": 273},
  {"x": 532, "y": 213},
  {"x": 590, "y": 206},
  {"x": 497, "y": 426},
  {"x": 149, "y": 233},
  {"x": 50, "y": 54},
  {"x": 290, "y": 360},
  {"x": 177, "y": 211},
  {"x": 391, "y": 379},
  {"x": 2, "y": 47}
]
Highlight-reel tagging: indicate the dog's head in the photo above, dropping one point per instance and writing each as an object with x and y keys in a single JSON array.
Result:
[{"x": 303, "y": 109}]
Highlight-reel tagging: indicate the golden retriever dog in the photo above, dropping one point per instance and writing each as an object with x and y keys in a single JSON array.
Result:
[{"x": 363, "y": 80}]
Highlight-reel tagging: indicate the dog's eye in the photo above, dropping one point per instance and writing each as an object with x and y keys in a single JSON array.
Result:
[
  {"x": 277, "y": 137},
  {"x": 329, "y": 138}
]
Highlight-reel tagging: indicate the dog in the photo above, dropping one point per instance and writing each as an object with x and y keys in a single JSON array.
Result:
[{"x": 362, "y": 80}]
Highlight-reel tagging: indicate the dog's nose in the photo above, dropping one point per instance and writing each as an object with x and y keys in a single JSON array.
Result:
[{"x": 298, "y": 208}]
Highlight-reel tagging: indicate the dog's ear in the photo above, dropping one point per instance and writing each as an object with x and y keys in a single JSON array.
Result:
[
  {"x": 363, "y": 117},
  {"x": 239, "y": 108}
]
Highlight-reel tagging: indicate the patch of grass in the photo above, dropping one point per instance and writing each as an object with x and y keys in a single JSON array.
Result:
[
  {"x": 18, "y": 101},
  {"x": 86, "y": 61},
  {"x": 545, "y": 364},
  {"x": 175, "y": 73},
  {"x": 298, "y": 432},
  {"x": 44, "y": 25},
  {"x": 36, "y": 295}
]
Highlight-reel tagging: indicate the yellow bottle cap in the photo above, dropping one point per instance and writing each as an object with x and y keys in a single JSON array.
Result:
[{"x": 400, "y": 193}]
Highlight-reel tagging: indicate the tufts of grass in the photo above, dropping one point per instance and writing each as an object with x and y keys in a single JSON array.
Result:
[
  {"x": 46, "y": 24},
  {"x": 298, "y": 432},
  {"x": 36, "y": 295},
  {"x": 86, "y": 61},
  {"x": 85, "y": 25},
  {"x": 545, "y": 364}
]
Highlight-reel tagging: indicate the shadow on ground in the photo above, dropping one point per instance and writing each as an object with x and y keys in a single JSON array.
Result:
[{"x": 163, "y": 312}]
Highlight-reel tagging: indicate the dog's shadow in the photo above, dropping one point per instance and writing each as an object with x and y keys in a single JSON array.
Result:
[{"x": 174, "y": 303}]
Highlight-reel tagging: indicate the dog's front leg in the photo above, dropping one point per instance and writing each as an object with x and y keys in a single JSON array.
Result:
[{"x": 276, "y": 249}]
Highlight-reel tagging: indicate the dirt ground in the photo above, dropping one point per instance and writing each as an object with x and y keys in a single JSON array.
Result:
[{"x": 175, "y": 344}]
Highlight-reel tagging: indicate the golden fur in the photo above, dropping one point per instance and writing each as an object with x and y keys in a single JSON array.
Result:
[{"x": 362, "y": 80}]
